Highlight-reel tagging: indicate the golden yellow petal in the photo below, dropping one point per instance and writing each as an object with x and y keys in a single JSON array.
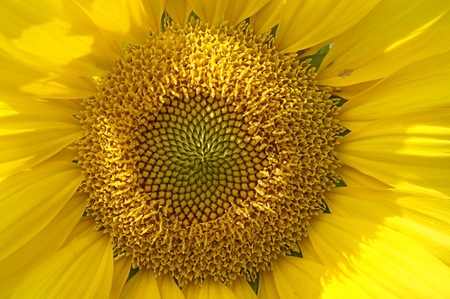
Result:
[
  {"x": 297, "y": 277},
  {"x": 168, "y": 288},
  {"x": 349, "y": 92},
  {"x": 242, "y": 289},
  {"x": 141, "y": 285},
  {"x": 18, "y": 80},
  {"x": 302, "y": 278},
  {"x": 153, "y": 11},
  {"x": 81, "y": 270},
  {"x": 409, "y": 150},
  {"x": 81, "y": 230},
  {"x": 122, "y": 268},
  {"x": 54, "y": 36},
  {"x": 31, "y": 199},
  {"x": 49, "y": 240},
  {"x": 354, "y": 178},
  {"x": 304, "y": 24},
  {"x": 267, "y": 17},
  {"x": 423, "y": 218},
  {"x": 115, "y": 19},
  {"x": 421, "y": 85},
  {"x": 267, "y": 288},
  {"x": 238, "y": 10},
  {"x": 32, "y": 131},
  {"x": 178, "y": 10},
  {"x": 210, "y": 12},
  {"x": 391, "y": 36},
  {"x": 215, "y": 290},
  {"x": 369, "y": 252},
  {"x": 69, "y": 106},
  {"x": 191, "y": 291},
  {"x": 308, "y": 251}
]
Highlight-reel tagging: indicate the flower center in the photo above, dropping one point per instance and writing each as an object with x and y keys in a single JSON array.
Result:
[
  {"x": 207, "y": 151},
  {"x": 197, "y": 158}
]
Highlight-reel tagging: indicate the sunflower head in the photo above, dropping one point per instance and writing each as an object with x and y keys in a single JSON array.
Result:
[{"x": 207, "y": 151}]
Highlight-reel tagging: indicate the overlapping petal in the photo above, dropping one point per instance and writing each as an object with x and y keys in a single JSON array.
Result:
[
  {"x": 168, "y": 288},
  {"x": 415, "y": 144},
  {"x": 421, "y": 217},
  {"x": 237, "y": 10},
  {"x": 215, "y": 290},
  {"x": 242, "y": 289},
  {"x": 48, "y": 125},
  {"x": 391, "y": 36},
  {"x": 152, "y": 11},
  {"x": 54, "y": 36},
  {"x": 178, "y": 10},
  {"x": 382, "y": 261},
  {"x": 427, "y": 87},
  {"x": 302, "y": 278},
  {"x": 82, "y": 269},
  {"x": 355, "y": 178},
  {"x": 46, "y": 242},
  {"x": 33, "y": 83},
  {"x": 117, "y": 19},
  {"x": 122, "y": 268},
  {"x": 267, "y": 287},
  {"x": 141, "y": 285},
  {"x": 304, "y": 24},
  {"x": 210, "y": 12},
  {"x": 30, "y": 200},
  {"x": 267, "y": 17}
]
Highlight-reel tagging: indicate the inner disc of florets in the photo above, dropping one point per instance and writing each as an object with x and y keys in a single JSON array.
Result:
[
  {"x": 197, "y": 159},
  {"x": 207, "y": 152}
]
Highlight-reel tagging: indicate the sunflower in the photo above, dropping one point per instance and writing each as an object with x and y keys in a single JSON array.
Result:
[{"x": 225, "y": 149}]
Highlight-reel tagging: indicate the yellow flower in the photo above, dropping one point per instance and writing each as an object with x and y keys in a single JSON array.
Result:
[{"x": 224, "y": 149}]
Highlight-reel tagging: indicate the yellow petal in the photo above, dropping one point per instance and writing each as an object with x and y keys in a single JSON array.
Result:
[
  {"x": 421, "y": 85},
  {"x": 31, "y": 199},
  {"x": 141, "y": 285},
  {"x": 349, "y": 92},
  {"x": 210, "y": 12},
  {"x": 168, "y": 288},
  {"x": 153, "y": 11},
  {"x": 238, "y": 10},
  {"x": 115, "y": 19},
  {"x": 393, "y": 35},
  {"x": 354, "y": 178},
  {"x": 54, "y": 36},
  {"x": 81, "y": 270},
  {"x": 297, "y": 278},
  {"x": 178, "y": 10},
  {"x": 423, "y": 218},
  {"x": 242, "y": 289},
  {"x": 408, "y": 150},
  {"x": 19, "y": 80},
  {"x": 83, "y": 229},
  {"x": 267, "y": 288},
  {"x": 191, "y": 291},
  {"x": 122, "y": 268},
  {"x": 267, "y": 17},
  {"x": 49, "y": 240},
  {"x": 215, "y": 290},
  {"x": 304, "y": 24},
  {"x": 367, "y": 252},
  {"x": 302, "y": 278},
  {"x": 31, "y": 132}
]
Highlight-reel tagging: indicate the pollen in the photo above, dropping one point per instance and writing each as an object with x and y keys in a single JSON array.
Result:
[{"x": 207, "y": 152}]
